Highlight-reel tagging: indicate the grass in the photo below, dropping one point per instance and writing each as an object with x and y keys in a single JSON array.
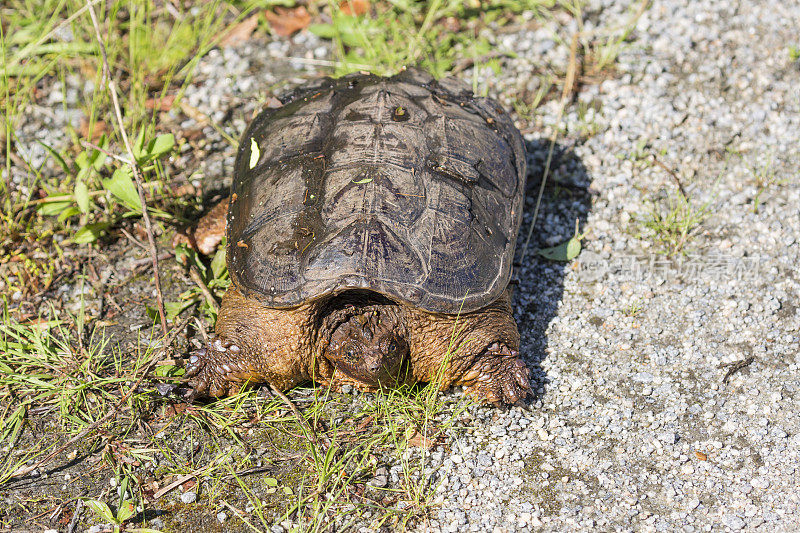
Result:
[
  {"x": 672, "y": 221},
  {"x": 84, "y": 373}
]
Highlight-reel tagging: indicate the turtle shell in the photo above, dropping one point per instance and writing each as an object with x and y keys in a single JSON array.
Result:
[{"x": 406, "y": 186}]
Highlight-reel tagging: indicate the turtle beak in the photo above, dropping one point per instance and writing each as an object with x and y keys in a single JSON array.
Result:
[{"x": 373, "y": 361}]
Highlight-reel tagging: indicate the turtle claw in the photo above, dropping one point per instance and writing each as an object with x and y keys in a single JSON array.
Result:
[
  {"x": 499, "y": 377},
  {"x": 211, "y": 370}
]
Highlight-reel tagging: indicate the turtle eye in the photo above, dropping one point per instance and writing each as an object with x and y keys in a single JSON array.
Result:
[
  {"x": 351, "y": 354},
  {"x": 392, "y": 347}
]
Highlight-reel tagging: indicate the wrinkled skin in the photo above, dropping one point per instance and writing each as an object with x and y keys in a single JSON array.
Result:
[
  {"x": 369, "y": 347},
  {"x": 358, "y": 338}
]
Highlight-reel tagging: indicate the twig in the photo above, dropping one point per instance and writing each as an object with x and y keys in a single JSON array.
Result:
[
  {"x": 133, "y": 239},
  {"x": 145, "y": 260},
  {"x": 672, "y": 173},
  {"x": 76, "y": 514},
  {"x": 94, "y": 425},
  {"x": 198, "y": 280},
  {"x": 467, "y": 62},
  {"x": 565, "y": 94},
  {"x": 137, "y": 172},
  {"x": 312, "y": 435},
  {"x": 240, "y": 515},
  {"x": 179, "y": 481},
  {"x": 87, "y": 144},
  {"x": 736, "y": 366}
]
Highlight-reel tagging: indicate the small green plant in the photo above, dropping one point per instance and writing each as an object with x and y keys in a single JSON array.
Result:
[
  {"x": 433, "y": 35},
  {"x": 93, "y": 182},
  {"x": 794, "y": 53},
  {"x": 672, "y": 221},
  {"x": 764, "y": 178},
  {"x": 633, "y": 309},
  {"x": 125, "y": 511},
  {"x": 567, "y": 250}
]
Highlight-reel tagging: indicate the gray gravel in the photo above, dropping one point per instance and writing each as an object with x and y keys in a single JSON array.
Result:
[{"x": 632, "y": 427}]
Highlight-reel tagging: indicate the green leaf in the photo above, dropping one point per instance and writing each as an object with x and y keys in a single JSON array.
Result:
[
  {"x": 81, "y": 194},
  {"x": 287, "y": 491},
  {"x": 161, "y": 145},
  {"x": 138, "y": 147},
  {"x": 56, "y": 156},
  {"x": 101, "y": 509},
  {"x": 121, "y": 185},
  {"x": 98, "y": 158},
  {"x": 255, "y": 153},
  {"x": 125, "y": 511},
  {"x": 566, "y": 251},
  {"x": 326, "y": 31},
  {"x": 173, "y": 309},
  {"x": 271, "y": 481},
  {"x": 54, "y": 208},
  {"x": 89, "y": 233},
  {"x": 68, "y": 212},
  {"x": 82, "y": 160},
  {"x": 365, "y": 180},
  {"x": 165, "y": 371},
  {"x": 218, "y": 265}
]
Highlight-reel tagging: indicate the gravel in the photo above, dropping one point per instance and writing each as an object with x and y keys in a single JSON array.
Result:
[{"x": 632, "y": 426}]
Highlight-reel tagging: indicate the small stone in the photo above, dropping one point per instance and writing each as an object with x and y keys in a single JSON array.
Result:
[
  {"x": 733, "y": 522},
  {"x": 222, "y": 516},
  {"x": 189, "y": 497}
]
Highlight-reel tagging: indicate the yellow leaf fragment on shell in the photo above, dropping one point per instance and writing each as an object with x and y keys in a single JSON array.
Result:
[{"x": 255, "y": 152}]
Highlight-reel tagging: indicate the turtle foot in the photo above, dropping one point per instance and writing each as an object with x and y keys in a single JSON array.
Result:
[
  {"x": 213, "y": 370},
  {"x": 498, "y": 377}
]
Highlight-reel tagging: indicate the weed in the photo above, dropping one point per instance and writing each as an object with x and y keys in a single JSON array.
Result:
[
  {"x": 764, "y": 178},
  {"x": 673, "y": 220},
  {"x": 633, "y": 309},
  {"x": 432, "y": 35}
]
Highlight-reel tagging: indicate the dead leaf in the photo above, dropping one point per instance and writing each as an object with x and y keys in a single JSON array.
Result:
[
  {"x": 161, "y": 104},
  {"x": 354, "y": 8},
  {"x": 97, "y": 131},
  {"x": 284, "y": 21},
  {"x": 418, "y": 440},
  {"x": 700, "y": 455},
  {"x": 240, "y": 32},
  {"x": 273, "y": 103}
]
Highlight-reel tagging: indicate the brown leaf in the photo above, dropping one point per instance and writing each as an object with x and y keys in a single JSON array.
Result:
[
  {"x": 97, "y": 132},
  {"x": 161, "y": 104},
  {"x": 700, "y": 455},
  {"x": 354, "y": 8},
  {"x": 418, "y": 440},
  {"x": 273, "y": 103},
  {"x": 240, "y": 32},
  {"x": 284, "y": 21}
]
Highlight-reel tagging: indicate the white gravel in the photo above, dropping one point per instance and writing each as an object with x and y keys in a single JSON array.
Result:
[{"x": 633, "y": 428}]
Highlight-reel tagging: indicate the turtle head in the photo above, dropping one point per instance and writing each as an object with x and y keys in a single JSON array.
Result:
[{"x": 368, "y": 347}]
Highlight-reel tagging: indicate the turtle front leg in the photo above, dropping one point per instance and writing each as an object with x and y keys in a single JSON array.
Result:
[
  {"x": 478, "y": 350},
  {"x": 497, "y": 376},
  {"x": 253, "y": 344}
]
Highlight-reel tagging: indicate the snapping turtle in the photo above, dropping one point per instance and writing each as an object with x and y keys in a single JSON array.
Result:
[{"x": 371, "y": 229}]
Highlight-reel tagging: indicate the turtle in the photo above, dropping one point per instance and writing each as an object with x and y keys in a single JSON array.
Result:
[{"x": 371, "y": 228}]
